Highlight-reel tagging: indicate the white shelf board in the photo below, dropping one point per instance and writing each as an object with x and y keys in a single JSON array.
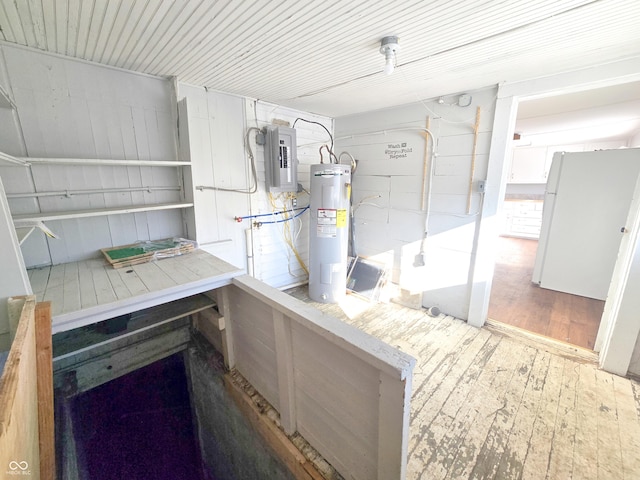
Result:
[
  {"x": 177, "y": 277},
  {"x": 20, "y": 220},
  {"x": 103, "y": 161}
]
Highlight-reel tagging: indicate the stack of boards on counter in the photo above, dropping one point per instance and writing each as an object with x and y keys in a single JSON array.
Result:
[{"x": 143, "y": 252}]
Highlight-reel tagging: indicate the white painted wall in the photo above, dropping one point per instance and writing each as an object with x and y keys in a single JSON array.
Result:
[
  {"x": 13, "y": 280},
  {"x": 75, "y": 109},
  {"x": 387, "y": 191},
  {"x": 274, "y": 262},
  {"x": 217, "y": 126}
]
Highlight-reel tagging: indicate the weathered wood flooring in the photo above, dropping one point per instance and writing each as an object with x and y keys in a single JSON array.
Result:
[
  {"x": 485, "y": 406},
  {"x": 516, "y": 301}
]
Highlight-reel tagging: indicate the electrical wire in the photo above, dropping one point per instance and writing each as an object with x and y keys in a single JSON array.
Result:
[
  {"x": 435, "y": 114},
  {"x": 317, "y": 123},
  {"x": 287, "y": 236}
]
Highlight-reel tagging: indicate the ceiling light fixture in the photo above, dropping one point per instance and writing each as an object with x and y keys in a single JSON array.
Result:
[{"x": 388, "y": 47}]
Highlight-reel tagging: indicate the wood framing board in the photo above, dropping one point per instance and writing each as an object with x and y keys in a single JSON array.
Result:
[
  {"x": 210, "y": 324},
  {"x": 19, "y": 438},
  {"x": 74, "y": 342},
  {"x": 90, "y": 368},
  {"x": 44, "y": 367},
  {"x": 106, "y": 293}
]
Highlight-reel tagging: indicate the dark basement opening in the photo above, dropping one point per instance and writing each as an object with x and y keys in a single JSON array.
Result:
[{"x": 139, "y": 426}]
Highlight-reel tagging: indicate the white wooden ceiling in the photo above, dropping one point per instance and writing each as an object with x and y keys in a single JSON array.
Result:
[{"x": 323, "y": 56}]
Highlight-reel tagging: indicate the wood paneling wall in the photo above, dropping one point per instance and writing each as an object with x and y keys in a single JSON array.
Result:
[
  {"x": 73, "y": 109},
  {"x": 274, "y": 263},
  {"x": 14, "y": 280},
  {"x": 344, "y": 391},
  {"x": 211, "y": 136},
  {"x": 387, "y": 190},
  {"x": 216, "y": 130}
]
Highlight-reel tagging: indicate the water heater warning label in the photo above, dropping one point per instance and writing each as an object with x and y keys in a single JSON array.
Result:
[
  {"x": 329, "y": 220},
  {"x": 327, "y": 216}
]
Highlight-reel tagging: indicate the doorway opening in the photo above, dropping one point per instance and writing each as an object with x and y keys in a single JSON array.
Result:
[{"x": 577, "y": 122}]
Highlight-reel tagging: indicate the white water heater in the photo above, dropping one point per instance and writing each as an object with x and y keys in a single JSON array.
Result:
[{"x": 329, "y": 231}]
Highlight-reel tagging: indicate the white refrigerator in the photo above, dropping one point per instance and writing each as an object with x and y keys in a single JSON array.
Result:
[{"x": 586, "y": 202}]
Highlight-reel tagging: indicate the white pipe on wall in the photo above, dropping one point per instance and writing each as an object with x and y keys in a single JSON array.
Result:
[
  {"x": 68, "y": 193},
  {"x": 249, "y": 243}
]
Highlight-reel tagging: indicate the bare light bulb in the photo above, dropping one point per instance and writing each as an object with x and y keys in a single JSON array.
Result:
[
  {"x": 389, "y": 65},
  {"x": 388, "y": 47}
]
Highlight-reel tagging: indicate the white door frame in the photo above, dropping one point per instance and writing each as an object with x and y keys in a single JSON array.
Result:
[
  {"x": 509, "y": 95},
  {"x": 619, "y": 326}
]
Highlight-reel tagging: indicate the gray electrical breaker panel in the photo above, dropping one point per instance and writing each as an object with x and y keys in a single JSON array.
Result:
[{"x": 280, "y": 159}]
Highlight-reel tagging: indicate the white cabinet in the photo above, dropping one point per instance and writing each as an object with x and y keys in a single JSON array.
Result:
[
  {"x": 528, "y": 165},
  {"x": 523, "y": 218}
]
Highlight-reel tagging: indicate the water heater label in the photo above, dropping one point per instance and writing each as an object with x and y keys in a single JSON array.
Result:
[
  {"x": 327, "y": 216},
  {"x": 329, "y": 220},
  {"x": 327, "y": 231},
  {"x": 341, "y": 218}
]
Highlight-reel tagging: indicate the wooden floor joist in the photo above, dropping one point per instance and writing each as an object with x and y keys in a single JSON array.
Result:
[{"x": 492, "y": 406}]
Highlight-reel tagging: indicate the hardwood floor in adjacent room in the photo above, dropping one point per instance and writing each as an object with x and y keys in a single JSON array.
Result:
[{"x": 516, "y": 301}]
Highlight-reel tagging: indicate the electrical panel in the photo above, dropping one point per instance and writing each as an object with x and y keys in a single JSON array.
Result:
[{"x": 280, "y": 159}]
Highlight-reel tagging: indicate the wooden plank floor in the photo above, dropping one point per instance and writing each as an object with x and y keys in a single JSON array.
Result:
[
  {"x": 516, "y": 301},
  {"x": 486, "y": 406}
]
